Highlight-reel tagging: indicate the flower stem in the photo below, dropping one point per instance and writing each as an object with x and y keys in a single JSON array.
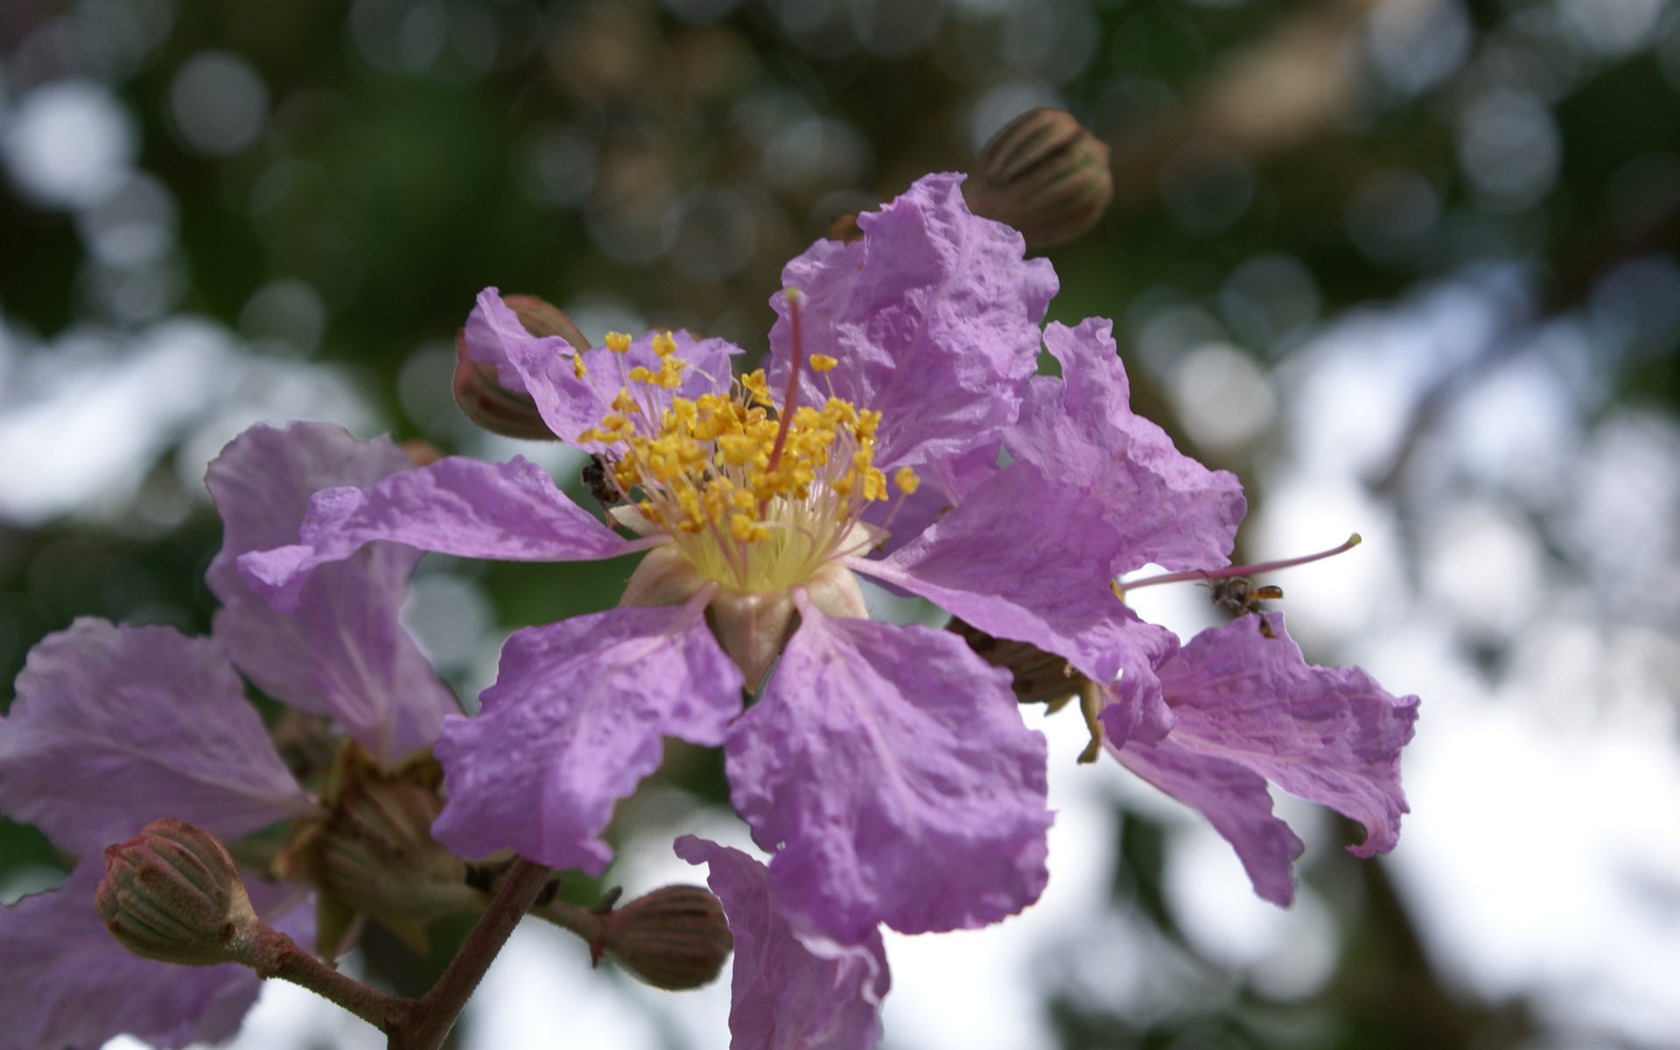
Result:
[
  {"x": 408, "y": 1024},
  {"x": 273, "y": 954},
  {"x": 584, "y": 922},
  {"x": 430, "y": 1017}
]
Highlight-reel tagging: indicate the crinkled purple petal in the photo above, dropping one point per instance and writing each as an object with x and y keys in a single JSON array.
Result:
[
  {"x": 944, "y": 485},
  {"x": 116, "y": 726},
  {"x": 574, "y": 722},
  {"x": 1022, "y": 558},
  {"x": 543, "y": 365},
  {"x": 1159, "y": 505},
  {"x": 68, "y": 983},
  {"x": 344, "y": 653},
  {"x": 790, "y": 992},
  {"x": 510, "y": 511},
  {"x": 1134, "y": 709},
  {"x": 1234, "y": 800},
  {"x": 933, "y": 317},
  {"x": 1329, "y": 735},
  {"x": 888, "y": 770}
]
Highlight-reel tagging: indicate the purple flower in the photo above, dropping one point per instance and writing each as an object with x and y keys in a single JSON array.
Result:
[
  {"x": 115, "y": 726},
  {"x": 900, "y": 433},
  {"x": 1249, "y": 709},
  {"x": 790, "y": 990},
  {"x": 112, "y": 727},
  {"x": 885, "y": 768}
]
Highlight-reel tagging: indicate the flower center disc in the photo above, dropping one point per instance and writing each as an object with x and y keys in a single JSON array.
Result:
[{"x": 756, "y": 499}]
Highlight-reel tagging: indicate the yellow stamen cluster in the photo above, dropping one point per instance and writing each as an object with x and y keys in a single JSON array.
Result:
[{"x": 754, "y": 501}]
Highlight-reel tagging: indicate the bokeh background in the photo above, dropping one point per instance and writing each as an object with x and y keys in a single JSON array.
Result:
[{"x": 1407, "y": 266}]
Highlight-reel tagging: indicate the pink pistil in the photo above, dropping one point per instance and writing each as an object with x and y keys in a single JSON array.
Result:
[{"x": 1238, "y": 570}]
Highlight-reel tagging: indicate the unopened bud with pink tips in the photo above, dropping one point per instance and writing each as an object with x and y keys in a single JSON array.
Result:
[{"x": 173, "y": 893}]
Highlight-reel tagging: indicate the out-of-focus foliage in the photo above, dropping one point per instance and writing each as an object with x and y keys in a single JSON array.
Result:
[{"x": 216, "y": 212}]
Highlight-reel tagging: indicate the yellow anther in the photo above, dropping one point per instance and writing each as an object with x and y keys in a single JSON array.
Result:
[
  {"x": 745, "y": 529},
  {"x": 821, "y": 363},
  {"x": 664, "y": 345},
  {"x": 874, "y": 485},
  {"x": 907, "y": 481},
  {"x": 739, "y": 449},
  {"x": 618, "y": 342},
  {"x": 755, "y": 384}
]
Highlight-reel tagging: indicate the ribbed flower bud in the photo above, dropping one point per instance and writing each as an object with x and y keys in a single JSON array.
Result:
[
  {"x": 173, "y": 893},
  {"x": 1043, "y": 174},
  {"x": 674, "y": 938},
  {"x": 511, "y": 413}
]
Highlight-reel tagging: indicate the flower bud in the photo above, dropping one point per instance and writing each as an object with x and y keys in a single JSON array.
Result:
[
  {"x": 173, "y": 893},
  {"x": 674, "y": 938},
  {"x": 1043, "y": 174},
  {"x": 478, "y": 390},
  {"x": 374, "y": 855},
  {"x": 542, "y": 318}
]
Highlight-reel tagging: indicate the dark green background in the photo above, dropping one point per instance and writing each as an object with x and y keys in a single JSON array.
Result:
[{"x": 409, "y": 184}]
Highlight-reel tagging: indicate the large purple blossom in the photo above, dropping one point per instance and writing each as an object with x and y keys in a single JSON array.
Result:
[
  {"x": 884, "y": 768},
  {"x": 115, "y": 726}
]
